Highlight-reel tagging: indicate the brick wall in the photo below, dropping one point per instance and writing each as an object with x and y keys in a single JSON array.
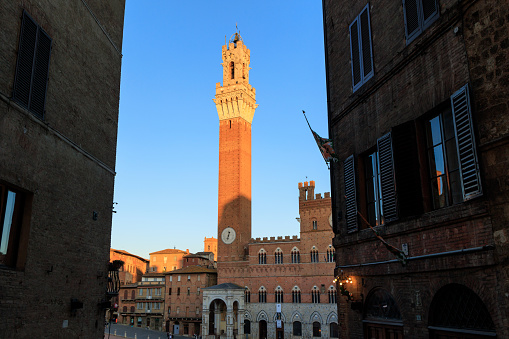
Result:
[{"x": 66, "y": 164}]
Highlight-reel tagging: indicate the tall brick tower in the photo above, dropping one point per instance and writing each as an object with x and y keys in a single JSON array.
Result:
[{"x": 235, "y": 102}]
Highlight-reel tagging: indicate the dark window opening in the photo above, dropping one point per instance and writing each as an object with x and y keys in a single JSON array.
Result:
[
  {"x": 32, "y": 67},
  {"x": 232, "y": 70}
]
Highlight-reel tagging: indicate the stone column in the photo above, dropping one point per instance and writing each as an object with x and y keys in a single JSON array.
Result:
[
  {"x": 217, "y": 318},
  {"x": 240, "y": 322},
  {"x": 229, "y": 322}
]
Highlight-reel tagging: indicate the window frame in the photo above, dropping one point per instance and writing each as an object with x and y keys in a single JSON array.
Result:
[
  {"x": 37, "y": 62},
  {"x": 422, "y": 23},
  {"x": 359, "y": 53}
]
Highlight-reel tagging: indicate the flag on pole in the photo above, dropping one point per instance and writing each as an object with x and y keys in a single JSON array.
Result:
[{"x": 324, "y": 145}]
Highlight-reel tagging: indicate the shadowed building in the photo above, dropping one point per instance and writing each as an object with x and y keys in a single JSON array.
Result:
[
  {"x": 59, "y": 95},
  {"x": 418, "y": 108}
]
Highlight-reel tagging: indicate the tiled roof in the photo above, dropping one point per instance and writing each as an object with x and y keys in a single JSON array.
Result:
[
  {"x": 130, "y": 254},
  {"x": 225, "y": 286},
  {"x": 168, "y": 251}
]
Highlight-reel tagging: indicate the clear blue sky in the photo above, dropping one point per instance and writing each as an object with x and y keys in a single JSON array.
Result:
[{"x": 168, "y": 133}]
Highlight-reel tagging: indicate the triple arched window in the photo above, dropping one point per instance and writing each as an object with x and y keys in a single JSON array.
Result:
[
  {"x": 330, "y": 253},
  {"x": 278, "y": 294},
  {"x": 296, "y": 295},
  {"x": 332, "y": 295},
  {"x": 278, "y": 256},
  {"x": 314, "y": 254},
  {"x": 262, "y": 257},
  {"x": 315, "y": 295},
  {"x": 295, "y": 255},
  {"x": 262, "y": 295}
]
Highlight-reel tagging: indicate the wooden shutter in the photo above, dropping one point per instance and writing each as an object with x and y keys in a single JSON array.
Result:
[
  {"x": 387, "y": 178},
  {"x": 40, "y": 78},
  {"x": 367, "y": 56},
  {"x": 411, "y": 13},
  {"x": 465, "y": 140},
  {"x": 25, "y": 62},
  {"x": 355, "y": 53},
  {"x": 407, "y": 169},
  {"x": 350, "y": 194}
]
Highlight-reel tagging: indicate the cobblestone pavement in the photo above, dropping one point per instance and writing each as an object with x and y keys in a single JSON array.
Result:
[{"x": 119, "y": 331}]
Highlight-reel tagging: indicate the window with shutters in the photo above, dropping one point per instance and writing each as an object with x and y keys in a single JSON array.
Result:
[
  {"x": 374, "y": 214},
  {"x": 452, "y": 160},
  {"x": 14, "y": 223},
  {"x": 32, "y": 67},
  {"x": 361, "y": 51},
  {"x": 419, "y": 15}
]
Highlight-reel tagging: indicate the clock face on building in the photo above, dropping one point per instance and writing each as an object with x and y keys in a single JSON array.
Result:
[{"x": 228, "y": 235}]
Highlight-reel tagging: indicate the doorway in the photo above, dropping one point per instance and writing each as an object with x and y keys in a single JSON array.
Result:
[
  {"x": 280, "y": 332},
  {"x": 262, "y": 325}
]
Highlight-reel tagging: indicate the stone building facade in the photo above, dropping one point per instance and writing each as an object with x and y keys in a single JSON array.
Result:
[
  {"x": 59, "y": 95},
  {"x": 418, "y": 110},
  {"x": 278, "y": 287}
]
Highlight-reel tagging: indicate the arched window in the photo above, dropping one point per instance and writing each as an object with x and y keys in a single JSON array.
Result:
[
  {"x": 247, "y": 295},
  {"x": 247, "y": 326},
  {"x": 317, "y": 329},
  {"x": 315, "y": 225},
  {"x": 262, "y": 257},
  {"x": 458, "y": 309},
  {"x": 315, "y": 295},
  {"x": 330, "y": 253},
  {"x": 278, "y": 256},
  {"x": 295, "y": 255},
  {"x": 334, "y": 330},
  {"x": 297, "y": 328},
  {"x": 332, "y": 295},
  {"x": 262, "y": 295},
  {"x": 381, "y": 314},
  {"x": 132, "y": 309},
  {"x": 125, "y": 294},
  {"x": 314, "y": 254},
  {"x": 125, "y": 309},
  {"x": 243, "y": 71},
  {"x": 133, "y": 294},
  {"x": 232, "y": 69},
  {"x": 296, "y": 295},
  {"x": 278, "y": 295}
]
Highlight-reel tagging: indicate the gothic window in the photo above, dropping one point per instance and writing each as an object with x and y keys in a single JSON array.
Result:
[
  {"x": 262, "y": 257},
  {"x": 247, "y": 326},
  {"x": 278, "y": 256},
  {"x": 334, "y": 330},
  {"x": 178, "y": 290},
  {"x": 262, "y": 295},
  {"x": 315, "y": 224},
  {"x": 232, "y": 69},
  {"x": 315, "y": 295},
  {"x": 314, "y": 254},
  {"x": 295, "y": 255},
  {"x": 296, "y": 295},
  {"x": 332, "y": 295},
  {"x": 297, "y": 328},
  {"x": 125, "y": 295},
  {"x": 247, "y": 295},
  {"x": 278, "y": 295},
  {"x": 317, "y": 329},
  {"x": 460, "y": 310},
  {"x": 330, "y": 253}
]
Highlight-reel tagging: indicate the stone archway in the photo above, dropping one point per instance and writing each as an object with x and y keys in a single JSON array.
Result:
[
  {"x": 458, "y": 312},
  {"x": 217, "y": 317}
]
